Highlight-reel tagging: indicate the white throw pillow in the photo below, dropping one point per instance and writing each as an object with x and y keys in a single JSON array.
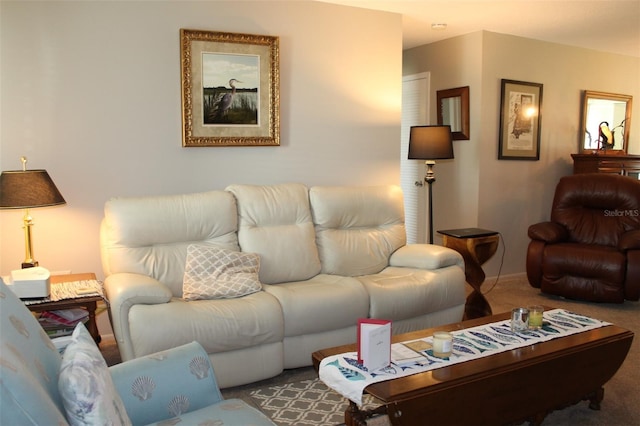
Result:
[
  {"x": 88, "y": 393},
  {"x": 215, "y": 273}
]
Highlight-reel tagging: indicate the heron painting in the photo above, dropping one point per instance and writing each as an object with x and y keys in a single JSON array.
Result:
[
  {"x": 234, "y": 103},
  {"x": 230, "y": 89}
]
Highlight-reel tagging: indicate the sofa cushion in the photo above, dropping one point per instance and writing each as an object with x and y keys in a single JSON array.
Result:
[
  {"x": 357, "y": 228},
  {"x": 325, "y": 302},
  {"x": 216, "y": 273},
  {"x": 275, "y": 222},
  {"x": 227, "y": 412},
  {"x": 220, "y": 325},
  {"x": 87, "y": 390},
  {"x": 28, "y": 395}
]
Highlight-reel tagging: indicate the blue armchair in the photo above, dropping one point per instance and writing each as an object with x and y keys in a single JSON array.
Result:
[{"x": 177, "y": 385}]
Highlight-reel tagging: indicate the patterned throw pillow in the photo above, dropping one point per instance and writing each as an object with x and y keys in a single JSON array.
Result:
[
  {"x": 215, "y": 273},
  {"x": 88, "y": 393}
]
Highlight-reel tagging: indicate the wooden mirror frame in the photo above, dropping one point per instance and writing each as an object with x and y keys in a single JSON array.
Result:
[
  {"x": 463, "y": 113},
  {"x": 614, "y": 127}
]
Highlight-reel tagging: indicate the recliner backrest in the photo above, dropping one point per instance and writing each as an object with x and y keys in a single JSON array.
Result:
[
  {"x": 150, "y": 235},
  {"x": 597, "y": 208},
  {"x": 351, "y": 221},
  {"x": 275, "y": 222}
]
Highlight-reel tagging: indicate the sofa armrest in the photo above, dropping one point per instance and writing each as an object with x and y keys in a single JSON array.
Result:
[
  {"x": 549, "y": 232},
  {"x": 425, "y": 256},
  {"x": 125, "y": 290},
  {"x": 160, "y": 386},
  {"x": 630, "y": 240}
]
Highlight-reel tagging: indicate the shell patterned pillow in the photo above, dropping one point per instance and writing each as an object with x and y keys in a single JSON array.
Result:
[{"x": 213, "y": 272}]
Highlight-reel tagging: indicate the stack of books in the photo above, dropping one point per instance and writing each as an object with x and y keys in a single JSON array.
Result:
[{"x": 62, "y": 323}]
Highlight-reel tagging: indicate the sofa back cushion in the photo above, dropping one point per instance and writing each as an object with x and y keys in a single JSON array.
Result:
[
  {"x": 275, "y": 222},
  {"x": 357, "y": 228},
  {"x": 150, "y": 235}
]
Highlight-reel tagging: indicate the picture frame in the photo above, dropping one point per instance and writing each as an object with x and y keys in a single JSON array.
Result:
[
  {"x": 520, "y": 120},
  {"x": 453, "y": 109},
  {"x": 230, "y": 89}
]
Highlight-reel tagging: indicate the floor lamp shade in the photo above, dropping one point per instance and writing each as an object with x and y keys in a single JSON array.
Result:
[
  {"x": 28, "y": 189},
  {"x": 430, "y": 143}
]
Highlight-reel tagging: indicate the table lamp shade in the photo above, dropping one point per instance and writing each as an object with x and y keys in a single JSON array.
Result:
[
  {"x": 27, "y": 189},
  {"x": 430, "y": 143}
]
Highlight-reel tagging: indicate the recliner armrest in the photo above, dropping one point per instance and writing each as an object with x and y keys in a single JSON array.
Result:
[
  {"x": 124, "y": 290},
  {"x": 630, "y": 240},
  {"x": 425, "y": 256},
  {"x": 151, "y": 384},
  {"x": 549, "y": 232},
  {"x": 136, "y": 289}
]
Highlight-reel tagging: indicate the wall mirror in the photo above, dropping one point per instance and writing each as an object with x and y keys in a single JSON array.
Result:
[
  {"x": 453, "y": 109},
  {"x": 605, "y": 122}
]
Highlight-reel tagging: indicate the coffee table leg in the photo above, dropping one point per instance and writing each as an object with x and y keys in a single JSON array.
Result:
[
  {"x": 354, "y": 416},
  {"x": 595, "y": 399}
]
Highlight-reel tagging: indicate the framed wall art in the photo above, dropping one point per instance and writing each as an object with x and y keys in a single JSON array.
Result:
[
  {"x": 453, "y": 109},
  {"x": 520, "y": 120},
  {"x": 230, "y": 89}
]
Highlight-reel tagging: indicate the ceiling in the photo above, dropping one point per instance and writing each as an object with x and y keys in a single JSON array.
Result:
[{"x": 605, "y": 25}]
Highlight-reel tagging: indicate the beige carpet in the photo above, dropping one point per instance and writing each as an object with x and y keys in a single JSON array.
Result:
[{"x": 621, "y": 405}]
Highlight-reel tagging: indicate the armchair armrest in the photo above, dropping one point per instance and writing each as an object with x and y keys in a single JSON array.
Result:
[
  {"x": 165, "y": 384},
  {"x": 549, "y": 232},
  {"x": 425, "y": 256},
  {"x": 125, "y": 290},
  {"x": 630, "y": 240}
]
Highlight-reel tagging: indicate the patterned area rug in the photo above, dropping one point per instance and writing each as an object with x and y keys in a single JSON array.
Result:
[{"x": 307, "y": 402}]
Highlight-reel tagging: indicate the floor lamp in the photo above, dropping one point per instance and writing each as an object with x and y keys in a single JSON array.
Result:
[{"x": 430, "y": 143}]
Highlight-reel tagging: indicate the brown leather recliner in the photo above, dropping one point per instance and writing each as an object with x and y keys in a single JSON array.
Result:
[{"x": 590, "y": 248}]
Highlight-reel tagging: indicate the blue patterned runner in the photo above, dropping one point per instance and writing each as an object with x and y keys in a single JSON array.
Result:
[{"x": 343, "y": 374}]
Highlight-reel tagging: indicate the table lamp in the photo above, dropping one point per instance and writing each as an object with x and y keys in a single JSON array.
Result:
[
  {"x": 26, "y": 189},
  {"x": 430, "y": 143}
]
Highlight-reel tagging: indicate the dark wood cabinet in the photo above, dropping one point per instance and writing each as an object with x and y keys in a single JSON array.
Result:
[{"x": 620, "y": 164}]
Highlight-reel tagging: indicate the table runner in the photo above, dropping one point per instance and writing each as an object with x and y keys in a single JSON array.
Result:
[
  {"x": 70, "y": 290},
  {"x": 343, "y": 374}
]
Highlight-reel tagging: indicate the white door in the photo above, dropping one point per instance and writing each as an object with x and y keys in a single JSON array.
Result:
[{"x": 415, "y": 112}]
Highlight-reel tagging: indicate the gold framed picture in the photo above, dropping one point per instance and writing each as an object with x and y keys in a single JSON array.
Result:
[{"x": 230, "y": 89}]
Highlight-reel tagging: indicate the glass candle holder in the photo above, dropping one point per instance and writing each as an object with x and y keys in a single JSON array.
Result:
[
  {"x": 535, "y": 317},
  {"x": 519, "y": 319},
  {"x": 442, "y": 344}
]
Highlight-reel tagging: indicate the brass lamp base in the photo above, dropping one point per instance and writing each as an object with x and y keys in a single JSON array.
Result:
[{"x": 29, "y": 261}]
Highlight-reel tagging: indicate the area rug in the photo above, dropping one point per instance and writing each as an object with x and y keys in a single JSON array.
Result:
[{"x": 307, "y": 402}]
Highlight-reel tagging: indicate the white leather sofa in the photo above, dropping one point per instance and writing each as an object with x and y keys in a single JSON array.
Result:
[{"x": 328, "y": 256}]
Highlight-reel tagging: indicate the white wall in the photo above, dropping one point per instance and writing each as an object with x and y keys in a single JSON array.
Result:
[
  {"x": 90, "y": 91},
  {"x": 455, "y": 194},
  {"x": 508, "y": 195}
]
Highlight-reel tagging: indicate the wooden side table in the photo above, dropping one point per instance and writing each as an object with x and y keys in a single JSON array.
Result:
[
  {"x": 90, "y": 303},
  {"x": 476, "y": 247}
]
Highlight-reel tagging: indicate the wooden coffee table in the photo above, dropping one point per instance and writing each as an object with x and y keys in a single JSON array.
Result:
[{"x": 520, "y": 385}]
